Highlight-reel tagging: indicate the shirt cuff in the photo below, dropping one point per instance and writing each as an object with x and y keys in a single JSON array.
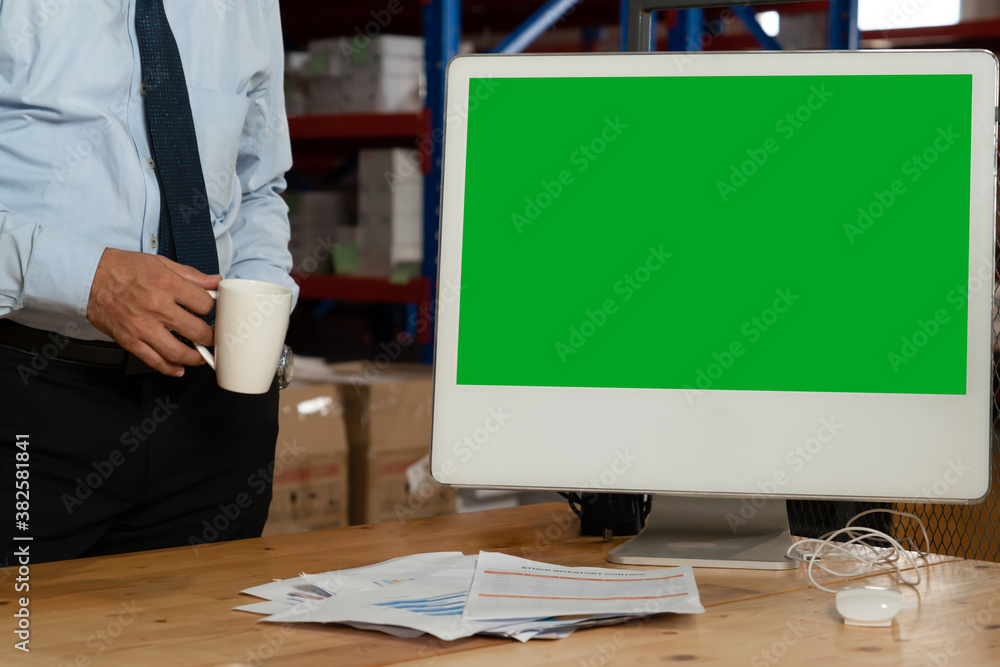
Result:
[{"x": 61, "y": 273}]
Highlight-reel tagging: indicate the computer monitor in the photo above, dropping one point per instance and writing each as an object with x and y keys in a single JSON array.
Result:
[{"x": 728, "y": 277}]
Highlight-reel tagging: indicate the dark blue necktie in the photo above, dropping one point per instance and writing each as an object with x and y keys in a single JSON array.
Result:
[{"x": 185, "y": 222}]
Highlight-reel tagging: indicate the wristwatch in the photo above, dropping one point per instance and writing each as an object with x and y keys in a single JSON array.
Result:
[{"x": 286, "y": 367}]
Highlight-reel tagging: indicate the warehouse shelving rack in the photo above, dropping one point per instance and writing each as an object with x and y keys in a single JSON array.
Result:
[{"x": 316, "y": 138}]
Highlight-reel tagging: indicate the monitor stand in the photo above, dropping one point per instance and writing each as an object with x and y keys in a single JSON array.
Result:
[{"x": 749, "y": 533}]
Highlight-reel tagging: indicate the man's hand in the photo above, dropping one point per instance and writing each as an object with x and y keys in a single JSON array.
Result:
[{"x": 138, "y": 299}]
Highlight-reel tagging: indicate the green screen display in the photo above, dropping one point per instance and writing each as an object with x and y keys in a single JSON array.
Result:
[{"x": 778, "y": 233}]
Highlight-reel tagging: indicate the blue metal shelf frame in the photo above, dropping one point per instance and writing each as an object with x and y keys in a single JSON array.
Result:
[
  {"x": 443, "y": 32},
  {"x": 748, "y": 15},
  {"x": 541, "y": 20},
  {"x": 442, "y": 21},
  {"x": 638, "y": 19},
  {"x": 686, "y": 34},
  {"x": 844, "y": 33}
]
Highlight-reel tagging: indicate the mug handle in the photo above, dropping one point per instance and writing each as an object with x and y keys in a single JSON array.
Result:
[{"x": 202, "y": 350}]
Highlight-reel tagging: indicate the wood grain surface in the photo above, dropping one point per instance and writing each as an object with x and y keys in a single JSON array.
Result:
[{"x": 174, "y": 607}]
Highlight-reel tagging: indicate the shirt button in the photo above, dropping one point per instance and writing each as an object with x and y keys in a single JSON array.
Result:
[
  {"x": 152, "y": 241},
  {"x": 142, "y": 89},
  {"x": 150, "y": 163}
]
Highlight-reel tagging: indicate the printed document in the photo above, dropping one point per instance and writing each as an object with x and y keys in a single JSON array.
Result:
[{"x": 507, "y": 587}]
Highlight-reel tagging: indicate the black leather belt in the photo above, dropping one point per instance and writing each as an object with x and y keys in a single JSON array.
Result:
[{"x": 50, "y": 345}]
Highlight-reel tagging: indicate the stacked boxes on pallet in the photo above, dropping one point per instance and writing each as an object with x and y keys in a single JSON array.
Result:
[
  {"x": 390, "y": 213},
  {"x": 383, "y": 74}
]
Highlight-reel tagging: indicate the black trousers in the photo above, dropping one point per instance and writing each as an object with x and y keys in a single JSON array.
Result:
[{"x": 119, "y": 463}]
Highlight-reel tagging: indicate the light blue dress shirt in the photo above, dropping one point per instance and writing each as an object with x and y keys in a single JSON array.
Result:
[{"x": 76, "y": 169}]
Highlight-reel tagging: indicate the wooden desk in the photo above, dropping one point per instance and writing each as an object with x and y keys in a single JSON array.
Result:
[{"x": 173, "y": 607}]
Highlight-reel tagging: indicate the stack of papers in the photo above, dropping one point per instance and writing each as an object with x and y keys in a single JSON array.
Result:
[{"x": 451, "y": 595}]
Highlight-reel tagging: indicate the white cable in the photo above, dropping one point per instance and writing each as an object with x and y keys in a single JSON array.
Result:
[{"x": 882, "y": 558}]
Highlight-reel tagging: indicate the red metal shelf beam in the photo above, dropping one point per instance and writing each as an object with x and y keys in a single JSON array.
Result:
[
  {"x": 357, "y": 288},
  {"x": 319, "y": 140},
  {"x": 401, "y": 126},
  {"x": 984, "y": 31},
  {"x": 372, "y": 290}
]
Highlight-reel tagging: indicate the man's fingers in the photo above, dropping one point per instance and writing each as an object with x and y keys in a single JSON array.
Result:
[
  {"x": 192, "y": 294},
  {"x": 192, "y": 275},
  {"x": 152, "y": 358},
  {"x": 173, "y": 351},
  {"x": 193, "y": 328},
  {"x": 138, "y": 299},
  {"x": 196, "y": 300}
]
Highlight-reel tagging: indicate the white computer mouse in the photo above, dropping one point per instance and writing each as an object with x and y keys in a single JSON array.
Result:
[{"x": 869, "y": 605}]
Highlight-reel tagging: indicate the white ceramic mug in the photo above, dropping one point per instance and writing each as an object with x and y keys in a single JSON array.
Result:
[{"x": 251, "y": 320}]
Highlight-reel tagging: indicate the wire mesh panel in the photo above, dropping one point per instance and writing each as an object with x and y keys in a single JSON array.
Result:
[{"x": 815, "y": 518}]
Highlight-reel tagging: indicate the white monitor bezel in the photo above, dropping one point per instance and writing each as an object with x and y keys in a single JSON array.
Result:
[{"x": 527, "y": 437}]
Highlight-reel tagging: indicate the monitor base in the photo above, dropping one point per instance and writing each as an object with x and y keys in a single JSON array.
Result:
[{"x": 712, "y": 532}]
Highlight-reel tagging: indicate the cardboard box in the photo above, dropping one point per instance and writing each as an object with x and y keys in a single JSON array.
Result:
[
  {"x": 311, "y": 468},
  {"x": 383, "y": 74},
  {"x": 388, "y": 414},
  {"x": 316, "y": 220},
  {"x": 296, "y": 82},
  {"x": 390, "y": 211},
  {"x": 392, "y": 54}
]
